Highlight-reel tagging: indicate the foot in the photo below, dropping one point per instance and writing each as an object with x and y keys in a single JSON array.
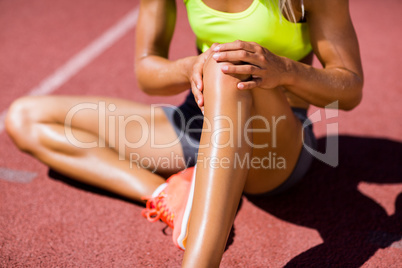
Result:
[{"x": 171, "y": 202}]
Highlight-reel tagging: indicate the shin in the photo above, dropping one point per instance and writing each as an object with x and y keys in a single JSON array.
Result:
[{"x": 218, "y": 187}]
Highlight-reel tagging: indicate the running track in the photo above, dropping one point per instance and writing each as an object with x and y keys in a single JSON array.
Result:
[{"x": 348, "y": 216}]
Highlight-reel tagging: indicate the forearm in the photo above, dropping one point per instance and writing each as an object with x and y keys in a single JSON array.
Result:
[
  {"x": 159, "y": 76},
  {"x": 321, "y": 87}
]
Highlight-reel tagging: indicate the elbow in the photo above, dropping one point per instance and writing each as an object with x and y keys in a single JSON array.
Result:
[
  {"x": 142, "y": 80},
  {"x": 351, "y": 103},
  {"x": 355, "y": 96},
  {"x": 145, "y": 88},
  {"x": 148, "y": 92}
]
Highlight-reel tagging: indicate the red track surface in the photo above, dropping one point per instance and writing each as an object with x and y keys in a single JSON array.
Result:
[{"x": 347, "y": 216}]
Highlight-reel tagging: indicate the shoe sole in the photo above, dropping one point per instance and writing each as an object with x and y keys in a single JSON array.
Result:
[{"x": 182, "y": 239}]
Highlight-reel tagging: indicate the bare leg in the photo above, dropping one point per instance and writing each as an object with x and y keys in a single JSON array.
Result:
[
  {"x": 37, "y": 126},
  {"x": 218, "y": 190}
]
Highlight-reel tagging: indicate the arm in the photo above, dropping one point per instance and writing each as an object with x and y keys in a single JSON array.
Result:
[
  {"x": 334, "y": 42},
  {"x": 155, "y": 73}
]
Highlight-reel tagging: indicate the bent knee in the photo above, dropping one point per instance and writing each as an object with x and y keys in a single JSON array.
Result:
[
  {"x": 217, "y": 83},
  {"x": 213, "y": 68},
  {"x": 19, "y": 122}
]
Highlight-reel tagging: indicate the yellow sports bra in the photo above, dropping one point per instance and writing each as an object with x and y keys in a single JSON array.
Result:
[{"x": 262, "y": 22}]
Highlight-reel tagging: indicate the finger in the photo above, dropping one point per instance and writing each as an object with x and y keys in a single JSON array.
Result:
[
  {"x": 237, "y": 45},
  {"x": 194, "y": 90},
  {"x": 249, "y": 84},
  {"x": 197, "y": 75},
  {"x": 199, "y": 98},
  {"x": 241, "y": 69},
  {"x": 210, "y": 50},
  {"x": 213, "y": 47},
  {"x": 240, "y": 55},
  {"x": 197, "y": 79}
]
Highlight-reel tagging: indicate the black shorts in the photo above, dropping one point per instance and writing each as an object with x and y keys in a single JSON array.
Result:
[{"x": 187, "y": 120}]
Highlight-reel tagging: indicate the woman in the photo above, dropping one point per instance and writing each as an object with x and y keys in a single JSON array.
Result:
[{"x": 252, "y": 97}]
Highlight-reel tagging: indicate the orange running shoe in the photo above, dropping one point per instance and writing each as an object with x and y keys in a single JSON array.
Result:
[{"x": 171, "y": 202}]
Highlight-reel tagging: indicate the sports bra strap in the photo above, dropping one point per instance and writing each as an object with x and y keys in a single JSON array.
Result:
[{"x": 303, "y": 12}]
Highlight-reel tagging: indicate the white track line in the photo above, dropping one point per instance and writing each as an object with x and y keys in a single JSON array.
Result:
[{"x": 83, "y": 58}]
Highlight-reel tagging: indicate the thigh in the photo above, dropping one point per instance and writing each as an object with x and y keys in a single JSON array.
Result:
[
  {"x": 277, "y": 141},
  {"x": 137, "y": 132}
]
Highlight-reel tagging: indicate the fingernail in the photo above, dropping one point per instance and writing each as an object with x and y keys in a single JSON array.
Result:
[
  {"x": 217, "y": 48},
  {"x": 216, "y": 56},
  {"x": 225, "y": 68},
  {"x": 199, "y": 101},
  {"x": 199, "y": 86},
  {"x": 241, "y": 86}
]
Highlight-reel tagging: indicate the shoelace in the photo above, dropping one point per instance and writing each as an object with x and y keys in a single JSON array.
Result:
[{"x": 156, "y": 208}]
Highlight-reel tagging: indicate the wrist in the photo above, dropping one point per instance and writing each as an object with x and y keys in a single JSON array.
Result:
[
  {"x": 290, "y": 74},
  {"x": 186, "y": 66}
]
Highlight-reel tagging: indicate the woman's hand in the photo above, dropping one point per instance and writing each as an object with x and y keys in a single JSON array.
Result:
[
  {"x": 266, "y": 69},
  {"x": 196, "y": 76}
]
